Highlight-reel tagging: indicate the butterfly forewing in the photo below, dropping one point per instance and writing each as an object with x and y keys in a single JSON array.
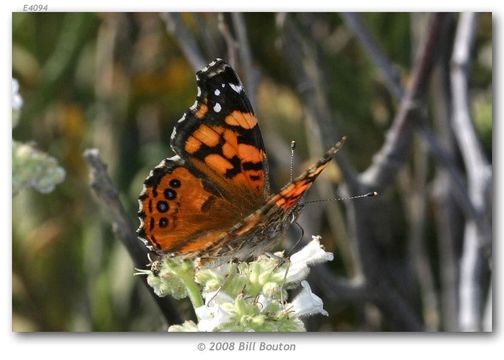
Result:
[{"x": 220, "y": 134}]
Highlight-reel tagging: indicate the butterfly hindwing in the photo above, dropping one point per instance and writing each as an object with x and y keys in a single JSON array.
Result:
[{"x": 179, "y": 212}]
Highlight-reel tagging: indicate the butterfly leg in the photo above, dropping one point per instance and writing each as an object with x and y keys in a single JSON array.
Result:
[
  {"x": 154, "y": 263},
  {"x": 281, "y": 261},
  {"x": 226, "y": 279},
  {"x": 282, "y": 300},
  {"x": 301, "y": 229}
]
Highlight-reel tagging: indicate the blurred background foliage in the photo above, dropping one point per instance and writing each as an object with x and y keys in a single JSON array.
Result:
[{"x": 119, "y": 82}]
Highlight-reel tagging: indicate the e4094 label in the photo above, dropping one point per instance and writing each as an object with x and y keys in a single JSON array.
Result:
[{"x": 35, "y": 7}]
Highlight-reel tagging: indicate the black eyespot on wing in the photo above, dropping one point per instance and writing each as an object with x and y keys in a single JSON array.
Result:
[
  {"x": 170, "y": 194},
  {"x": 162, "y": 206},
  {"x": 163, "y": 222},
  {"x": 175, "y": 183}
]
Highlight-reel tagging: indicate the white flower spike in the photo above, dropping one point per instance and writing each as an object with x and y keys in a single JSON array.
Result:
[{"x": 245, "y": 296}]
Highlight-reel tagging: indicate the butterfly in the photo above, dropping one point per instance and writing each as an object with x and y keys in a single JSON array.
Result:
[{"x": 212, "y": 199}]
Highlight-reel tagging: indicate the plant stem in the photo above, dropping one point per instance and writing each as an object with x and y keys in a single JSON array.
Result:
[{"x": 193, "y": 290}]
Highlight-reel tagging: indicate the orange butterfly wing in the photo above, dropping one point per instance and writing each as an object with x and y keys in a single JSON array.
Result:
[
  {"x": 220, "y": 136},
  {"x": 212, "y": 199},
  {"x": 259, "y": 232},
  {"x": 179, "y": 213},
  {"x": 222, "y": 167}
]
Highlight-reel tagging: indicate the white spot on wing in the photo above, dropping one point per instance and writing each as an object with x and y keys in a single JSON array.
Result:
[
  {"x": 217, "y": 92},
  {"x": 199, "y": 91},
  {"x": 217, "y": 108},
  {"x": 181, "y": 119},
  {"x": 237, "y": 88},
  {"x": 223, "y": 85},
  {"x": 173, "y": 158}
]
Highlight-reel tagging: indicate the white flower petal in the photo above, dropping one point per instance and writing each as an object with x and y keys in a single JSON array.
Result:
[
  {"x": 307, "y": 303},
  {"x": 313, "y": 253},
  {"x": 212, "y": 314},
  {"x": 17, "y": 101},
  {"x": 263, "y": 302},
  {"x": 210, "y": 317},
  {"x": 218, "y": 297},
  {"x": 297, "y": 272}
]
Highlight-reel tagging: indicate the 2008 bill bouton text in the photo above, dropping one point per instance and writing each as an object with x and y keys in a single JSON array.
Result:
[{"x": 249, "y": 346}]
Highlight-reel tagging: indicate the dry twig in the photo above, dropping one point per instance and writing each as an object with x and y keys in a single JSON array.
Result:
[
  {"x": 379, "y": 176},
  {"x": 123, "y": 228},
  {"x": 478, "y": 231},
  {"x": 175, "y": 26}
]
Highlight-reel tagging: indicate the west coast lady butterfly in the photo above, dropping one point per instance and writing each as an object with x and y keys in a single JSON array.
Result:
[{"x": 212, "y": 199}]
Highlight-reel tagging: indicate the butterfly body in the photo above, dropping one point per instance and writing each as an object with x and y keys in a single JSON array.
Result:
[{"x": 212, "y": 201}]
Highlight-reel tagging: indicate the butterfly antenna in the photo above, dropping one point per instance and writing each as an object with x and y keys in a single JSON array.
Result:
[
  {"x": 293, "y": 147},
  {"x": 369, "y": 194}
]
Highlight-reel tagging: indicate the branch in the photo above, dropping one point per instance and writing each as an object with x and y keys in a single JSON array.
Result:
[
  {"x": 414, "y": 195},
  {"x": 478, "y": 231},
  {"x": 385, "y": 167},
  {"x": 393, "y": 154},
  {"x": 251, "y": 74},
  {"x": 395, "y": 151},
  {"x": 121, "y": 225},
  {"x": 228, "y": 39},
  {"x": 477, "y": 166},
  {"x": 301, "y": 56},
  {"x": 187, "y": 42},
  {"x": 207, "y": 28},
  {"x": 375, "y": 53},
  {"x": 447, "y": 213},
  {"x": 391, "y": 79}
]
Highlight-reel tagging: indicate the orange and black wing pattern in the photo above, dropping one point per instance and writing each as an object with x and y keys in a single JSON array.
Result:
[
  {"x": 220, "y": 137},
  {"x": 219, "y": 175},
  {"x": 259, "y": 231},
  {"x": 180, "y": 213},
  {"x": 290, "y": 194},
  {"x": 212, "y": 198}
]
